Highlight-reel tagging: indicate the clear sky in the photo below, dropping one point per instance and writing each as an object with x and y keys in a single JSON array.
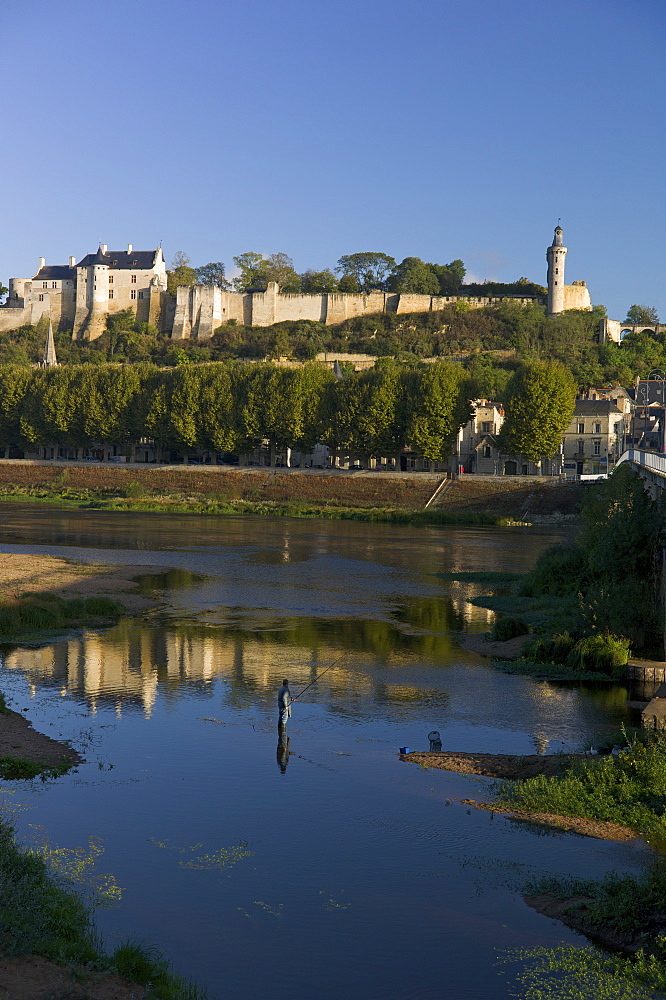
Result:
[{"x": 434, "y": 129}]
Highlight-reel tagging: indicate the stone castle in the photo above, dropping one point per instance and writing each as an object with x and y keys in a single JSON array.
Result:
[{"x": 80, "y": 296}]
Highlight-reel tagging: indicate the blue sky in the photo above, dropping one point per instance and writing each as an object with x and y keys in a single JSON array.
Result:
[{"x": 434, "y": 129}]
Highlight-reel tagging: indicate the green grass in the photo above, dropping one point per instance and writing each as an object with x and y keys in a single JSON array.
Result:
[
  {"x": 629, "y": 789},
  {"x": 38, "y": 612},
  {"x": 40, "y": 917},
  {"x": 20, "y": 768},
  {"x": 93, "y": 500}
]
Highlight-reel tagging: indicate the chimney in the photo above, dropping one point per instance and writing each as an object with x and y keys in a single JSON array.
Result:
[
  {"x": 42, "y": 262},
  {"x": 72, "y": 261},
  {"x": 129, "y": 247},
  {"x": 103, "y": 248}
]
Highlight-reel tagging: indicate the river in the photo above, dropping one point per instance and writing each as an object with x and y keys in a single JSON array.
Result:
[{"x": 323, "y": 867}]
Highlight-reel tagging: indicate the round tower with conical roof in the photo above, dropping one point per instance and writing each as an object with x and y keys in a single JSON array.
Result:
[{"x": 556, "y": 255}]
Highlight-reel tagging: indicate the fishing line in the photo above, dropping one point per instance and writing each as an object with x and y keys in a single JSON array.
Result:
[{"x": 330, "y": 667}]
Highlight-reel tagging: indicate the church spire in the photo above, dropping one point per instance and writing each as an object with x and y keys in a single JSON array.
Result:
[{"x": 49, "y": 359}]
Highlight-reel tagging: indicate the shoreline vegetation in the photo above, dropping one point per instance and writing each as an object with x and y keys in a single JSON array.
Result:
[
  {"x": 92, "y": 500},
  {"x": 573, "y": 618},
  {"x": 49, "y": 944}
]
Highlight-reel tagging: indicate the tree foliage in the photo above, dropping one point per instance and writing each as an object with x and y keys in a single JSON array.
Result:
[
  {"x": 641, "y": 314},
  {"x": 539, "y": 405},
  {"x": 369, "y": 270},
  {"x": 213, "y": 273},
  {"x": 181, "y": 272}
]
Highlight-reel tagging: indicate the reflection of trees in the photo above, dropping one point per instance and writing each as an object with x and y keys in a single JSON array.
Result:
[{"x": 131, "y": 664}]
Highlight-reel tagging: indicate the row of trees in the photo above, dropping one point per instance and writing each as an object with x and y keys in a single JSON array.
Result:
[
  {"x": 353, "y": 273},
  {"x": 233, "y": 407}
]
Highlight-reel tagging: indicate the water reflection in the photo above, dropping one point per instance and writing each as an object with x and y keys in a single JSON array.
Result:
[{"x": 284, "y": 742}]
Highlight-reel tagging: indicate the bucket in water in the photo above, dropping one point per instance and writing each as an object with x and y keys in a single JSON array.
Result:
[{"x": 404, "y": 749}]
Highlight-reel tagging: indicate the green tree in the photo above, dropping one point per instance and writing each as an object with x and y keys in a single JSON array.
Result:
[
  {"x": 412, "y": 275},
  {"x": 366, "y": 414},
  {"x": 370, "y": 270},
  {"x": 3, "y": 290},
  {"x": 251, "y": 267},
  {"x": 15, "y": 389},
  {"x": 257, "y": 271},
  {"x": 437, "y": 407},
  {"x": 319, "y": 281},
  {"x": 450, "y": 276},
  {"x": 212, "y": 274},
  {"x": 641, "y": 314},
  {"x": 539, "y": 406},
  {"x": 181, "y": 272}
]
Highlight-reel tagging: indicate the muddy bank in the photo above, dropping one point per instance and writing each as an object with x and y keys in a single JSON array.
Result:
[
  {"x": 510, "y": 767},
  {"x": 36, "y": 573},
  {"x": 493, "y": 765},
  {"x": 510, "y": 649},
  {"x": 574, "y": 911},
  {"x": 19, "y": 740},
  {"x": 30, "y": 977}
]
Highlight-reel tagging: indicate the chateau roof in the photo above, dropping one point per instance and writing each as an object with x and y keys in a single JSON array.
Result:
[
  {"x": 56, "y": 271},
  {"x": 142, "y": 260},
  {"x": 595, "y": 407}
]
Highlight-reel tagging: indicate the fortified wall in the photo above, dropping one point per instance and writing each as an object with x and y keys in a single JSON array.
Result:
[{"x": 201, "y": 309}]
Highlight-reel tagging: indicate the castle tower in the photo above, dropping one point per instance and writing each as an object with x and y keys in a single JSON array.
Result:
[{"x": 555, "y": 255}]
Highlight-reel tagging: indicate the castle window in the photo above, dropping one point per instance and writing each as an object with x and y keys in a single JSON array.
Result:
[
  {"x": 54, "y": 284},
  {"x": 597, "y": 447},
  {"x": 41, "y": 298},
  {"x": 133, "y": 293},
  {"x": 597, "y": 428},
  {"x": 581, "y": 447},
  {"x": 486, "y": 427},
  {"x": 134, "y": 279},
  {"x": 141, "y": 293},
  {"x": 45, "y": 284},
  {"x": 581, "y": 427},
  {"x": 111, "y": 293},
  {"x": 110, "y": 279}
]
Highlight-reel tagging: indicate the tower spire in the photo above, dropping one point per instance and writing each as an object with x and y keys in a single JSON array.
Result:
[{"x": 49, "y": 359}]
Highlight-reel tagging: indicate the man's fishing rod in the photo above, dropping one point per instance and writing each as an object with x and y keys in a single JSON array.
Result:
[{"x": 330, "y": 667}]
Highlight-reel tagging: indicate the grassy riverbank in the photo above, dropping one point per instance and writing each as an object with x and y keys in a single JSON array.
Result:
[
  {"x": 623, "y": 913},
  {"x": 40, "y": 917},
  {"x": 100, "y": 500}
]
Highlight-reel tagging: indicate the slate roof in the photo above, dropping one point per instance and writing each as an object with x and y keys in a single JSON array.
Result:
[
  {"x": 595, "y": 407},
  {"x": 56, "y": 271},
  {"x": 142, "y": 260}
]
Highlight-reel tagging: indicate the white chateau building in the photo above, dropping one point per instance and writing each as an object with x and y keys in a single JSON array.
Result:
[{"x": 79, "y": 296}]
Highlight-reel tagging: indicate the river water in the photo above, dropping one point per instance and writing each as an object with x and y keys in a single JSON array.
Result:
[{"x": 322, "y": 866}]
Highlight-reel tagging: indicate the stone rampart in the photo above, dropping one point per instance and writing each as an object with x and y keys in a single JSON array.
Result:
[{"x": 201, "y": 309}]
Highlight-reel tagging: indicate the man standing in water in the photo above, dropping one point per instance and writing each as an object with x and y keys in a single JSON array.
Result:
[{"x": 284, "y": 704}]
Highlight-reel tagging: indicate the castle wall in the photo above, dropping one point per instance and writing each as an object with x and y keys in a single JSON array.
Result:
[
  {"x": 13, "y": 318},
  {"x": 577, "y": 296},
  {"x": 295, "y": 307},
  {"x": 201, "y": 309}
]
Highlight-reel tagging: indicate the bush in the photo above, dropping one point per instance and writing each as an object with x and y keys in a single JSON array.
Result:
[
  {"x": 607, "y": 654},
  {"x": 553, "y": 650},
  {"x": 558, "y": 571},
  {"x": 509, "y": 628}
]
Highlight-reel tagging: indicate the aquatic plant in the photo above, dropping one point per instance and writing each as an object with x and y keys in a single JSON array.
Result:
[
  {"x": 629, "y": 789},
  {"x": 41, "y": 917}
]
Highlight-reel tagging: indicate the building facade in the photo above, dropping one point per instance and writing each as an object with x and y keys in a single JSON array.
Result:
[
  {"x": 596, "y": 435},
  {"x": 80, "y": 296}
]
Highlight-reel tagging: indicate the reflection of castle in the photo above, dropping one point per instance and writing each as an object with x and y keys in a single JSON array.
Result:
[{"x": 126, "y": 665}]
